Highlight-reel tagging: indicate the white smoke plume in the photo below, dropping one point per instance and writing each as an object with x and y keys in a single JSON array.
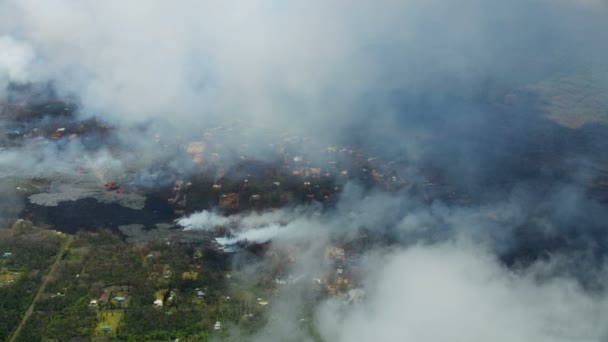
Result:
[
  {"x": 252, "y": 227},
  {"x": 204, "y": 220},
  {"x": 255, "y": 235},
  {"x": 15, "y": 60},
  {"x": 459, "y": 292}
]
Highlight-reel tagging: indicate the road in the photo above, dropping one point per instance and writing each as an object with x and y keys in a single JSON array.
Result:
[{"x": 66, "y": 244}]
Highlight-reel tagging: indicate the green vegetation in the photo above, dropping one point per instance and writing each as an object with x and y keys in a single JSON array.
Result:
[
  {"x": 32, "y": 250},
  {"x": 80, "y": 300},
  {"x": 8, "y": 277},
  {"x": 107, "y": 321}
]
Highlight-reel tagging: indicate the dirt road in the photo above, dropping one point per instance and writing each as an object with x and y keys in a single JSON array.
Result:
[{"x": 66, "y": 244}]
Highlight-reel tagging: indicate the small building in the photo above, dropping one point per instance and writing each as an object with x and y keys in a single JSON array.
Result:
[
  {"x": 335, "y": 253},
  {"x": 200, "y": 294},
  {"x": 158, "y": 303},
  {"x": 93, "y": 302},
  {"x": 197, "y": 150},
  {"x": 178, "y": 185},
  {"x": 106, "y": 328},
  {"x": 313, "y": 172},
  {"x": 7, "y": 255},
  {"x": 217, "y": 325},
  {"x": 229, "y": 201},
  {"x": 119, "y": 298},
  {"x": 59, "y": 133}
]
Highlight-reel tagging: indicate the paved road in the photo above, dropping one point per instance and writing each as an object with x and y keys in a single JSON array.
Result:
[{"x": 47, "y": 278}]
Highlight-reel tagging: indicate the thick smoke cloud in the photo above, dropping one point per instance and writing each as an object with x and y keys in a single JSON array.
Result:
[
  {"x": 456, "y": 292},
  {"x": 15, "y": 58},
  {"x": 315, "y": 65},
  {"x": 442, "y": 275},
  {"x": 412, "y": 79},
  {"x": 430, "y": 81}
]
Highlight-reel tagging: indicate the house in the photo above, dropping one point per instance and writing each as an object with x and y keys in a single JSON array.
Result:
[
  {"x": 106, "y": 328},
  {"x": 59, "y": 133},
  {"x": 178, "y": 185},
  {"x": 119, "y": 298},
  {"x": 93, "y": 302},
  {"x": 217, "y": 325},
  {"x": 7, "y": 255},
  {"x": 229, "y": 200},
  {"x": 200, "y": 294},
  {"x": 313, "y": 172},
  {"x": 158, "y": 303},
  {"x": 197, "y": 150},
  {"x": 335, "y": 253}
]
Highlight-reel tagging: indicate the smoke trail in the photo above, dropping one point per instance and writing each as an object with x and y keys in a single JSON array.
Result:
[{"x": 204, "y": 220}]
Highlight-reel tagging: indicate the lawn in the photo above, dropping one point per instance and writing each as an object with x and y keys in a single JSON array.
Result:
[
  {"x": 108, "y": 318},
  {"x": 9, "y": 277},
  {"x": 160, "y": 294},
  {"x": 192, "y": 275}
]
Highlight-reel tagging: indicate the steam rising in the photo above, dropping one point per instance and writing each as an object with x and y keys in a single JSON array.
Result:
[
  {"x": 257, "y": 235},
  {"x": 204, "y": 220}
]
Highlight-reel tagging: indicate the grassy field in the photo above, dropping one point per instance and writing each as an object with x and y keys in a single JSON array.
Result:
[
  {"x": 192, "y": 275},
  {"x": 7, "y": 277},
  {"x": 108, "y": 318},
  {"x": 160, "y": 294}
]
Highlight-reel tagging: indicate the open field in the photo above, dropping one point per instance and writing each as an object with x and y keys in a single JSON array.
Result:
[{"x": 108, "y": 319}]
